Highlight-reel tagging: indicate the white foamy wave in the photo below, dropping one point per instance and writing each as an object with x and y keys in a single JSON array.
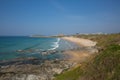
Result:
[
  {"x": 55, "y": 44},
  {"x": 58, "y": 39}
]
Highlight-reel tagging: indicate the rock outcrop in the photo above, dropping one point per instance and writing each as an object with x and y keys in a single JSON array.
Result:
[{"x": 33, "y": 69}]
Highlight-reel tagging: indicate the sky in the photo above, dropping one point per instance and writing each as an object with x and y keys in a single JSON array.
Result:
[{"x": 51, "y": 17}]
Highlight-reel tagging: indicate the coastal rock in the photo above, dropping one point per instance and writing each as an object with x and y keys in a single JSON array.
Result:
[
  {"x": 57, "y": 71},
  {"x": 28, "y": 77},
  {"x": 32, "y": 77},
  {"x": 34, "y": 70},
  {"x": 45, "y": 52},
  {"x": 48, "y": 52},
  {"x": 92, "y": 49}
]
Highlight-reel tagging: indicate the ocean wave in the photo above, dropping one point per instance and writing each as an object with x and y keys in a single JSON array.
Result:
[{"x": 55, "y": 45}]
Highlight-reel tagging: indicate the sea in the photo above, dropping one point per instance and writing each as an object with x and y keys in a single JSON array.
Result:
[{"x": 12, "y": 47}]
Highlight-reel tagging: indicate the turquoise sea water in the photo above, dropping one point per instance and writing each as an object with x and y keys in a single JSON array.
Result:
[{"x": 21, "y": 47}]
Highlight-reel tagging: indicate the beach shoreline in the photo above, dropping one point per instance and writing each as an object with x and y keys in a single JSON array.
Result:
[
  {"x": 81, "y": 41},
  {"x": 45, "y": 70},
  {"x": 80, "y": 55}
]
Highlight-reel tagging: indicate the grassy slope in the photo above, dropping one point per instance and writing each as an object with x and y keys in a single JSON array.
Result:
[
  {"x": 104, "y": 66},
  {"x": 70, "y": 75}
]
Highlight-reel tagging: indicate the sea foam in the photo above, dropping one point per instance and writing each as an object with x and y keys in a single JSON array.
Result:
[{"x": 55, "y": 45}]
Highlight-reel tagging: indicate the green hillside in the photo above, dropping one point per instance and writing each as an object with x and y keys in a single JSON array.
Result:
[{"x": 104, "y": 66}]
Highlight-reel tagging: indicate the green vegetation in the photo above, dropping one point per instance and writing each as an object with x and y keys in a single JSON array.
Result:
[
  {"x": 104, "y": 66},
  {"x": 70, "y": 75},
  {"x": 103, "y": 40}
]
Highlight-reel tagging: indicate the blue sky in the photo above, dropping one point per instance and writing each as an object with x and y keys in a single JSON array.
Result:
[{"x": 50, "y": 17}]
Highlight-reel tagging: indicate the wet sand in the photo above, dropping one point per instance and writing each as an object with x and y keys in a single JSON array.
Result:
[{"x": 80, "y": 56}]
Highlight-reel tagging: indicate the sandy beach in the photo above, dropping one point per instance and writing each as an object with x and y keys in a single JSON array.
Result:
[
  {"x": 80, "y": 56},
  {"x": 81, "y": 41}
]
